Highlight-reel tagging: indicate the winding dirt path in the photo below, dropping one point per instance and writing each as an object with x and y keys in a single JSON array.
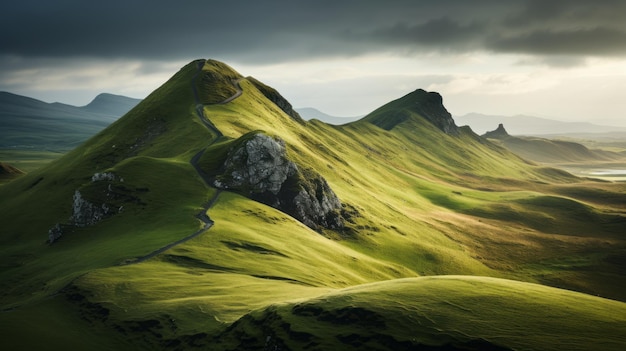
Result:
[{"x": 208, "y": 222}]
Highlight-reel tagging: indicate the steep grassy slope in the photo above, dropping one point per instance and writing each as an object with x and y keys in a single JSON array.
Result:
[
  {"x": 422, "y": 201},
  {"x": 127, "y": 148}
]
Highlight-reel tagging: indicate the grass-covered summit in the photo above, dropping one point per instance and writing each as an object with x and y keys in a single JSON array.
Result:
[{"x": 177, "y": 262}]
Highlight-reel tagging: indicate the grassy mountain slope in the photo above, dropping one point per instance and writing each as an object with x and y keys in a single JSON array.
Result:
[
  {"x": 424, "y": 203},
  {"x": 451, "y": 198}
]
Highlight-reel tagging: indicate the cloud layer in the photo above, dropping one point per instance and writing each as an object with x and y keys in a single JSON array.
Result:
[
  {"x": 345, "y": 57},
  {"x": 280, "y": 30}
]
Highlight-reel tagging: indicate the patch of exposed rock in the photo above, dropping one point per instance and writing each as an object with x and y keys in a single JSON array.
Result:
[
  {"x": 108, "y": 197},
  {"x": 85, "y": 213},
  {"x": 258, "y": 168}
]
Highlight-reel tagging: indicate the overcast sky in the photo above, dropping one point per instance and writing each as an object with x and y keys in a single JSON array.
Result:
[{"x": 563, "y": 59}]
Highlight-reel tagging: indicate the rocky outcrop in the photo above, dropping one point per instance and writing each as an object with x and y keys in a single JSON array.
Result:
[
  {"x": 499, "y": 133},
  {"x": 85, "y": 213},
  {"x": 107, "y": 176},
  {"x": 430, "y": 106},
  {"x": 107, "y": 199},
  {"x": 55, "y": 233},
  {"x": 258, "y": 167}
]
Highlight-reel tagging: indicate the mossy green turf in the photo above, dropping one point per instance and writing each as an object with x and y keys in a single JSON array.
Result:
[{"x": 428, "y": 204}]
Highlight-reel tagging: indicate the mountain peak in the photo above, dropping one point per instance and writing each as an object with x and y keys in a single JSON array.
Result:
[
  {"x": 428, "y": 105},
  {"x": 498, "y": 133}
]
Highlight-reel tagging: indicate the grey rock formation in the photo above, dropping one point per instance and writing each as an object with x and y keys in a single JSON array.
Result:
[
  {"x": 108, "y": 197},
  {"x": 105, "y": 176},
  {"x": 85, "y": 213},
  {"x": 55, "y": 233},
  {"x": 259, "y": 168}
]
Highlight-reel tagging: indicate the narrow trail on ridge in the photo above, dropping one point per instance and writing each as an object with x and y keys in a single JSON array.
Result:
[{"x": 208, "y": 222}]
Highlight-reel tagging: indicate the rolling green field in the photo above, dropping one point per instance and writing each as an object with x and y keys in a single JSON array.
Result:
[{"x": 454, "y": 243}]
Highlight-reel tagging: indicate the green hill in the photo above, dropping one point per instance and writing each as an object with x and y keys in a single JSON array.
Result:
[
  {"x": 27, "y": 123},
  {"x": 211, "y": 199},
  {"x": 8, "y": 172},
  {"x": 435, "y": 313}
]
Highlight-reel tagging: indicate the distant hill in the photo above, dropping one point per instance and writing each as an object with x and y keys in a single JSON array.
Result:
[
  {"x": 549, "y": 151},
  {"x": 8, "y": 172},
  {"x": 529, "y": 125},
  {"x": 27, "y": 123},
  {"x": 110, "y": 104},
  {"x": 309, "y": 113}
]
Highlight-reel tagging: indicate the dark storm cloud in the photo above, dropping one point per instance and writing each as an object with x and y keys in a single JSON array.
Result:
[
  {"x": 594, "y": 41},
  {"x": 280, "y": 30},
  {"x": 441, "y": 33},
  {"x": 565, "y": 27}
]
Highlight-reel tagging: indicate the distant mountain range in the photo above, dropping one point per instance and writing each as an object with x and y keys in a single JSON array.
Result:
[
  {"x": 28, "y": 123},
  {"x": 529, "y": 125},
  {"x": 549, "y": 151},
  {"x": 309, "y": 113}
]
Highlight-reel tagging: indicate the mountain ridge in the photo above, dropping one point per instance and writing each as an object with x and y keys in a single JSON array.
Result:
[{"x": 426, "y": 199}]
